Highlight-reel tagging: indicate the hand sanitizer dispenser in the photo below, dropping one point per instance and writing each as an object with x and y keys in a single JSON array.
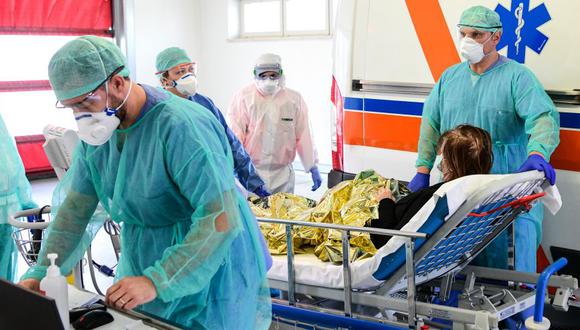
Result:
[{"x": 54, "y": 285}]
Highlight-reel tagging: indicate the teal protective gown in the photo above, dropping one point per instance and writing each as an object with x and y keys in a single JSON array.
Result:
[
  {"x": 15, "y": 195},
  {"x": 510, "y": 103},
  {"x": 168, "y": 179}
]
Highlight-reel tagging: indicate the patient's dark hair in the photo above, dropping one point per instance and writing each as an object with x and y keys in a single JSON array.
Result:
[{"x": 465, "y": 150}]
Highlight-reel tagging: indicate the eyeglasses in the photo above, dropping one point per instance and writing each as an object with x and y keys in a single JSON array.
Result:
[{"x": 90, "y": 96}]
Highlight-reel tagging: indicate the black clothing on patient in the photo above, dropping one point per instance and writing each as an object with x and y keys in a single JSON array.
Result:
[{"x": 395, "y": 215}]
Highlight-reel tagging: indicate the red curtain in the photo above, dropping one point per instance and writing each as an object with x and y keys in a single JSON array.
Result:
[
  {"x": 56, "y": 17},
  {"x": 24, "y": 86},
  {"x": 32, "y": 155}
]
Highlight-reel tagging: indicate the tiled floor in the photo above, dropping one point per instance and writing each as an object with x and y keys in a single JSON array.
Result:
[{"x": 102, "y": 248}]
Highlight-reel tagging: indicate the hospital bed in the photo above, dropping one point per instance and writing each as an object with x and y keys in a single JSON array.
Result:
[{"x": 427, "y": 260}]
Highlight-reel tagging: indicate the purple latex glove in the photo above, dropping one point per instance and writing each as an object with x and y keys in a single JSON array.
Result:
[
  {"x": 538, "y": 163},
  {"x": 262, "y": 192},
  {"x": 316, "y": 178},
  {"x": 419, "y": 181}
]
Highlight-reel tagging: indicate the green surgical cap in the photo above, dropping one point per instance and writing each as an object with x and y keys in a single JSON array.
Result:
[
  {"x": 480, "y": 18},
  {"x": 82, "y": 64},
  {"x": 171, "y": 57}
]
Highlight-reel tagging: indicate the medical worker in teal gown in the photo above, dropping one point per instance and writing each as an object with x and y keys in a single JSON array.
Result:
[
  {"x": 163, "y": 169},
  {"x": 506, "y": 99},
  {"x": 15, "y": 195}
]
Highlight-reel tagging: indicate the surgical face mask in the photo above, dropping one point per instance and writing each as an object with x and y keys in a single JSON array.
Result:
[
  {"x": 96, "y": 128},
  {"x": 186, "y": 85},
  {"x": 472, "y": 50},
  {"x": 268, "y": 86}
]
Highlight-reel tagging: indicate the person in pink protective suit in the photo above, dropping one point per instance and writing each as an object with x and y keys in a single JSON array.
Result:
[{"x": 272, "y": 123}]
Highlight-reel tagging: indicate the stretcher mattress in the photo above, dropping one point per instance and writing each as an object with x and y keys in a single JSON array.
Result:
[{"x": 370, "y": 273}]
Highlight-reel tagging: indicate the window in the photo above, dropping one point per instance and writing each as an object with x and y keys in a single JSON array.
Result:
[
  {"x": 30, "y": 33},
  {"x": 26, "y": 99},
  {"x": 279, "y": 18}
]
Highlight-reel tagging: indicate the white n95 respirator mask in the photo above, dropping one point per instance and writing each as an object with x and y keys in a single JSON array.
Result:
[
  {"x": 268, "y": 86},
  {"x": 472, "y": 50},
  {"x": 186, "y": 85},
  {"x": 96, "y": 128}
]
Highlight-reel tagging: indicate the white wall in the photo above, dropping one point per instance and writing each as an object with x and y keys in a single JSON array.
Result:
[
  {"x": 27, "y": 113},
  {"x": 159, "y": 25},
  {"x": 226, "y": 66}
]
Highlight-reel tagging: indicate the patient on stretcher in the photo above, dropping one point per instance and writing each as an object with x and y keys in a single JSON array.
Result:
[
  {"x": 465, "y": 150},
  {"x": 368, "y": 200}
]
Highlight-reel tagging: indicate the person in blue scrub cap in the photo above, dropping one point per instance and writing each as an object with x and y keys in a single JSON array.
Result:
[
  {"x": 506, "y": 99},
  {"x": 162, "y": 167},
  {"x": 177, "y": 74}
]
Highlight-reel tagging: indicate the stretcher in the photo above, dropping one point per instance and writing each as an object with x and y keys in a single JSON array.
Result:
[{"x": 427, "y": 261}]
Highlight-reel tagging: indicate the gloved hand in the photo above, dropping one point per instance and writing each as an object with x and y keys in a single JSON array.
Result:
[
  {"x": 262, "y": 192},
  {"x": 537, "y": 162},
  {"x": 316, "y": 178},
  {"x": 419, "y": 181}
]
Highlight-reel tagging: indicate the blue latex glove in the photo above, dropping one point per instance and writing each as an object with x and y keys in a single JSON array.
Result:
[
  {"x": 262, "y": 192},
  {"x": 316, "y": 178},
  {"x": 537, "y": 162},
  {"x": 419, "y": 181}
]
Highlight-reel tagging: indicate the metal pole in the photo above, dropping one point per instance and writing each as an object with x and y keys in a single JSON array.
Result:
[
  {"x": 346, "y": 273},
  {"x": 290, "y": 257},
  {"x": 512, "y": 253},
  {"x": 511, "y": 247},
  {"x": 124, "y": 28},
  {"x": 410, "y": 267},
  {"x": 379, "y": 231}
]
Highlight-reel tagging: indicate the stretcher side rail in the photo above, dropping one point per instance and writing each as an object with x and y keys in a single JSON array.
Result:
[
  {"x": 345, "y": 235},
  {"x": 370, "y": 230}
]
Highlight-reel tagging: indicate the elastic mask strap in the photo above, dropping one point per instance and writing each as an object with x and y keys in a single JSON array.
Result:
[
  {"x": 172, "y": 84},
  {"x": 110, "y": 111},
  {"x": 488, "y": 39}
]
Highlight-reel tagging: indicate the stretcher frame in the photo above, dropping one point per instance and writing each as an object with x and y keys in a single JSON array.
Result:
[{"x": 488, "y": 295}]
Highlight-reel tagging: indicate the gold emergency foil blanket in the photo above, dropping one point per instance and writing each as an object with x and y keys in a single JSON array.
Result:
[{"x": 349, "y": 203}]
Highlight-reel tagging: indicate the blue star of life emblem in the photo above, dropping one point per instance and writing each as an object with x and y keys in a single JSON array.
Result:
[{"x": 520, "y": 28}]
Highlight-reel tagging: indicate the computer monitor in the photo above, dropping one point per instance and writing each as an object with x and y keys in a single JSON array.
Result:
[{"x": 23, "y": 309}]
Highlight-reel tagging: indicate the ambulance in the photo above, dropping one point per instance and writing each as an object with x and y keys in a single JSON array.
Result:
[{"x": 387, "y": 57}]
